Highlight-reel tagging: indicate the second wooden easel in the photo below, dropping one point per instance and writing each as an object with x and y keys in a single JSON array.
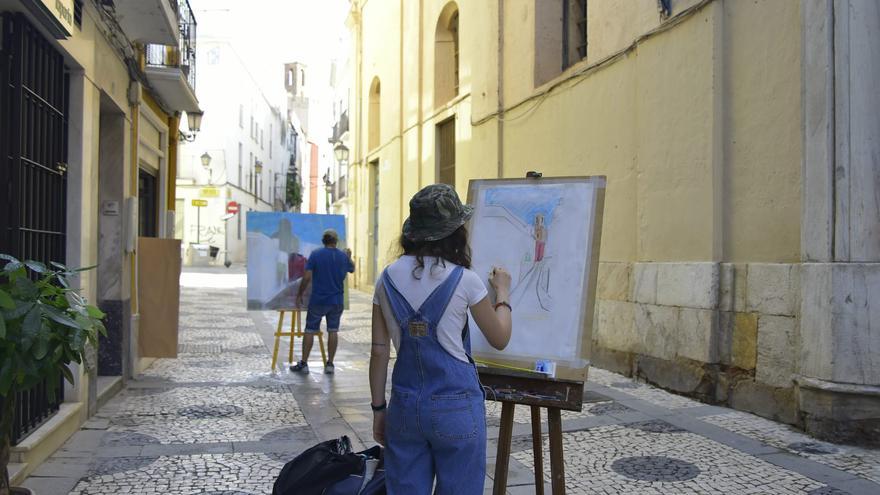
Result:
[
  {"x": 295, "y": 331},
  {"x": 536, "y": 391}
]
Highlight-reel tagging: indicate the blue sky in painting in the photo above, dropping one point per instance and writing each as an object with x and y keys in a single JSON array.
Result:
[
  {"x": 526, "y": 202},
  {"x": 306, "y": 226}
]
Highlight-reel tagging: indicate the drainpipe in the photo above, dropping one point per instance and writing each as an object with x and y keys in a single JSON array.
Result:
[
  {"x": 500, "y": 150},
  {"x": 421, "y": 87}
]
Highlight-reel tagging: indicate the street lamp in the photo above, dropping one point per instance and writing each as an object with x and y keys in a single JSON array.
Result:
[
  {"x": 327, "y": 186},
  {"x": 194, "y": 122},
  {"x": 341, "y": 152},
  {"x": 206, "y": 162},
  {"x": 258, "y": 174}
]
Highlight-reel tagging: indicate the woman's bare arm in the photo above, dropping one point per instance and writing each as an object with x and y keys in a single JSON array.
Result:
[
  {"x": 380, "y": 353},
  {"x": 495, "y": 323}
]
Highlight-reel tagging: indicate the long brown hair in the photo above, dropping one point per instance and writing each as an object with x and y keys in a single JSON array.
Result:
[{"x": 452, "y": 248}]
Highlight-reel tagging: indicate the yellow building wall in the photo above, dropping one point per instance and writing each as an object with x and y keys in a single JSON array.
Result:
[{"x": 697, "y": 126}]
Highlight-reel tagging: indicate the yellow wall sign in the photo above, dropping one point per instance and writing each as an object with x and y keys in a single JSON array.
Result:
[
  {"x": 200, "y": 202},
  {"x": 209, "y": 192},
  {"x": 57, "y": 15}
]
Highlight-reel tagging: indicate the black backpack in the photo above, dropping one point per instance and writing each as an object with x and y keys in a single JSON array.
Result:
[{"x": 311, "y": 472}]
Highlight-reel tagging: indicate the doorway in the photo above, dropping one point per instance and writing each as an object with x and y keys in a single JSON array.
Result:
[{"x": 148, "y": 203}]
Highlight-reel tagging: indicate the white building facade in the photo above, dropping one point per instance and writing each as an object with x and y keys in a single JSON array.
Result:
[{"x": 238, "y": 162}]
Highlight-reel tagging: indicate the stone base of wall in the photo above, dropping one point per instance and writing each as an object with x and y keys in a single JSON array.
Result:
[{"x": 731, "y": 334}]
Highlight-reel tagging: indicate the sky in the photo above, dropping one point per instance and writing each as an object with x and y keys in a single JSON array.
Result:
[{"x": 269, "y": 33}]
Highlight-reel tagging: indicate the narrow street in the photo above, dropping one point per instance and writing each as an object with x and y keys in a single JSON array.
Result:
[{"x": 216, "y": 421}]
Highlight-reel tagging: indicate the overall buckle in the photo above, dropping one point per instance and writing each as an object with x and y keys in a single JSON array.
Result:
[{"x": 418, "y": 327}]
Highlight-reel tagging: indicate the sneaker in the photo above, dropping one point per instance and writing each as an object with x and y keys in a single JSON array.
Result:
[
  {"x": 329, "y": 368},
  {"x": 301, "y": 367}
]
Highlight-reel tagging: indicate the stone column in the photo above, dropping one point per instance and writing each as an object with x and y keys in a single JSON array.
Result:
[
  {"x": 114, "y": 265},
  {"x": 839, "y": 360}
]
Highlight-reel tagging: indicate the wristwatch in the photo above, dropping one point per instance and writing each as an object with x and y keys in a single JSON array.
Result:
[{"x": 379, "y": 408}]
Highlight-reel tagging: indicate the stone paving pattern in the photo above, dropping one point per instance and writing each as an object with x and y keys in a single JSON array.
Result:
[{"x": 218, "y": 421}]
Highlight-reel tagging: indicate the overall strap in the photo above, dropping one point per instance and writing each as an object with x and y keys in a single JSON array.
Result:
[
  {"x": 435, "y": 305},
  {"x": 399, "y": 305}
]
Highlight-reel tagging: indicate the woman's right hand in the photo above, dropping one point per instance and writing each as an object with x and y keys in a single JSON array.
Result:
[{"x": 499, "y": 279}]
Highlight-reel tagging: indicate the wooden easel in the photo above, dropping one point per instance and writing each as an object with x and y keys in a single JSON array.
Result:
[
  {"x": 536, "y": 391},
  {"x": 295, "y": 331}
]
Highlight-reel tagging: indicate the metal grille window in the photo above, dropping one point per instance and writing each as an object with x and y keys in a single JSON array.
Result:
[
  {"x": 561, "y": 37},
  {"x": 574, "y": 32},
  {"x": 446, "y": 152},
  {"x": 33, "y": 180},
  {"x": 78, "y": 13},
  {"x": 240, "y": 164}
]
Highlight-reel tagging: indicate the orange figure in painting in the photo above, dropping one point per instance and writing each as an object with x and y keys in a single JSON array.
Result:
[{"x": 540, "y": 237}]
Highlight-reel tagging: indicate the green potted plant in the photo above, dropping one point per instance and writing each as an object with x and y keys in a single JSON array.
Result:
[{"x": 44, "y": 326}]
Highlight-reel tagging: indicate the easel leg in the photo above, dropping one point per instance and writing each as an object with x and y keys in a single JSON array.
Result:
[
  {"x": 294, "y": 318},
  {"x": 277, "y": 339},
  {"x": 538, "y": 450},
  {"x": 502, "y": 460},
  {"x": 321, "y": 345},
  {"x": 557, "y": 461}
]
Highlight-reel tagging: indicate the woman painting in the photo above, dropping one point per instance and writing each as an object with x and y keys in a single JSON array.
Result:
[{"x": 434, "y": 428}]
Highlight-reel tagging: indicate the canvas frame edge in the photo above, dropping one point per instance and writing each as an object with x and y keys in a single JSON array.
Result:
[{"x": 587, "y": 319}]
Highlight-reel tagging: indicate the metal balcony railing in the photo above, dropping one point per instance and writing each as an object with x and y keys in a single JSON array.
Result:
[
  {"x": 340, "y": 127},
  {"x": 184, "y": 55}
]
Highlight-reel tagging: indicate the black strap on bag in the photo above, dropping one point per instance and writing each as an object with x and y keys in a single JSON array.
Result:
[{"x": 319, "y": 467}]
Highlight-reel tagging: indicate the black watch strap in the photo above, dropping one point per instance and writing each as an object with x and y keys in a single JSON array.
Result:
[{"x": 379, "y": 408}]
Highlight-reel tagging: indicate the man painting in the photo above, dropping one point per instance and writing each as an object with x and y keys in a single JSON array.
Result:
[{"x": 326, "y": 268}]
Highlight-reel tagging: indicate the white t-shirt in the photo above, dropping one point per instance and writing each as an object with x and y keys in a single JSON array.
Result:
[{"x": 469, "y": 292}]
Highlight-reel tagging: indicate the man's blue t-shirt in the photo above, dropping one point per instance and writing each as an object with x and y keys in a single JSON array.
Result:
[{"x": 329, "y": 266}]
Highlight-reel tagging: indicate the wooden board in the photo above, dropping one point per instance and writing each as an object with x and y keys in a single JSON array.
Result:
[
  {"x": 158, "y": 296},
  {"x": 532, "y": 389}
]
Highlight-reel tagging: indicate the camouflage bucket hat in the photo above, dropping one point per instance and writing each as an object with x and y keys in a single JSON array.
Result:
[{"x": 435, "y": 212}]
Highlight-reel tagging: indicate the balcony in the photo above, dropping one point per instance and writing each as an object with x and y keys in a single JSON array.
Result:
[
  {"x": 338, "y": 189},
  {"x": 149, "y": 21},
  {"x": 340, "y": 127},
  {"x": 171, "y": 69}
]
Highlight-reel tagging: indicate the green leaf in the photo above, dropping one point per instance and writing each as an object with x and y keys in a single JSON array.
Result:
[
  {"x": 12, "y": 266},
  {"x": 32, "y": 323},
  {"x": 8, "y": 258},
  {"x": 19, "y": 311},
  {"x": 59, "y": 317},
  {"x": 6, "y": 301},
  {"x": 95, "y": 312},
  {"x": 59, "y": 266},
  {"x": 26, "y": 287},
  {"x": 6, "y": 376},
  {"x": 36, "y": 266},
  {"x": 78, "y": 342},
  {"x": 40, "y": 349},
  {"x": 84, "y": 269},
  {"x": 68, "y": 375},
  {"x": 2, "y": 327}
]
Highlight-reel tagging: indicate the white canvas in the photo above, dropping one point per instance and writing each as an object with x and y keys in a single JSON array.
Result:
[{"x": 548, "y": 265}]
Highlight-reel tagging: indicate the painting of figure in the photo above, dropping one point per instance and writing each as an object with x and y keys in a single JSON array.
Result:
[
  {"x": 541, "y": 234},
  {"x": 278, "y": 246}
]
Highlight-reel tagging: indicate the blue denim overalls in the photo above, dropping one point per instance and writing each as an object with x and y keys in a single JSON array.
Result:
[{"x": 436, "y": 423}]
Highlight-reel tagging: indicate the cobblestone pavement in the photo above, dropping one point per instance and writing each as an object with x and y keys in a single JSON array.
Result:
[{"x": 218, "y": 421}]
